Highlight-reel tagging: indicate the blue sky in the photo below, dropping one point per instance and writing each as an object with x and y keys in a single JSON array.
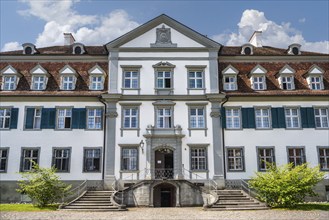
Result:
[{"x": 92, "y": 22}]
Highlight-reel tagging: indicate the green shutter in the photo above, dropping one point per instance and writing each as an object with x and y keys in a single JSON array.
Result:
[
  {"x": 29, "y": 118},
  {"x": 79, "y": 118},
  {"x": 223, "y": 114},
  {"x": 307, "y": 115},
  {"x": 13, "y": 118},
  {"x": 281, "y": 118},
  {"x": 278, "y": 118},
  {"x": 248, "y": 118},
  {"x": 48, "y": 118}
]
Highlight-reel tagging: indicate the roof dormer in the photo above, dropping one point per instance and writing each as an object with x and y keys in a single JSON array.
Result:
[
  {"x": 247, "y": 49},
  {"x": 68, "y": 78},
  {"x": 96, "y": 78},
  {"x": 230, "y": 78},
  {"x": 10, "y": 78},
  {"x": 29, "y": 49},
  {"x": 258, "y": 78},
  {"x": 294, "y": 49},
  {"x": 286, "y": 78},
  {"x": 314, "y": 78},
  {"x": 78, "y": 48},
  {"x": 39, "y": 78}
]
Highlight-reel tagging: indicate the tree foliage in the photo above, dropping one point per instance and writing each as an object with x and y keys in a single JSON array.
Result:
[
  {"x": 42, "y": 185},
  {"x": 285, "y": 186}
]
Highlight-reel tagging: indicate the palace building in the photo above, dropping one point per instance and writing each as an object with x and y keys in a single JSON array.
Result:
[{"x": 162, "y": 111}]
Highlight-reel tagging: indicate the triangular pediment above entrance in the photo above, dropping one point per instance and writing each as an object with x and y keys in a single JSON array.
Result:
[{"x": 163, "y": 32}]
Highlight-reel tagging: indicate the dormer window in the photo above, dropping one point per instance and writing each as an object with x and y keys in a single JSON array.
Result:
[
  {"x": 10, "y": 78},
  {"x": 247, "y": 49},
  {"x": 96, "y": 78},
  {"x": 286, "y": 78},
  {"x": 258, "y": 78},
  {"x": 29, "y": 49},
  {"x": 39, "y": 78},
  {"x": 294, "y": 49},
  {"x": 68, "y": 78},
  {"x": 314, "y": 78},
  {"x": 78, "y": 48},
  {"x": 230, "y": 78}
]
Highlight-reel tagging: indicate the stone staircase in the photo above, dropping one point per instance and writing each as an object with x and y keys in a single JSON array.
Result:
[
  {"x": 94, "y": 201},
  {"x": 235, "y": 200}
]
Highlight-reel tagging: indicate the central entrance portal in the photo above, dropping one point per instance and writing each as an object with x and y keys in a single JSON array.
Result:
[
  {"x": 164, "y": 195},
  {"x": 164, "y": 164}
]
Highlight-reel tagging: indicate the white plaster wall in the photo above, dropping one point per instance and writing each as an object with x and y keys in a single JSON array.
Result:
[
  {"x": 149, "y": 37},
  {"x": 180, "y": 118},
  {"x": 46, "y": 139},
  {"x": 309, "y": 138},
  {"x": 147, "y": 76}
]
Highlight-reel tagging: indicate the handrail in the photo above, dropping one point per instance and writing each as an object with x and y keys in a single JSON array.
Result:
[
  {"x": 246, "y": 187},
  {"x": 212, "y": 183},
  {"x": 71, "y": 193}
]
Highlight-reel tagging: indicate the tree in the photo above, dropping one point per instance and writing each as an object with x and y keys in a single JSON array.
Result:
[
  {"x": 42, "y": 185},
  {"x": 285, "y": 186}
]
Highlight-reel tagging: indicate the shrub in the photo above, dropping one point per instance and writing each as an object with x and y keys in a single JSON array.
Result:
[
  {"x": 285, "y": 186},
  {"x": 42, "y": 185}
]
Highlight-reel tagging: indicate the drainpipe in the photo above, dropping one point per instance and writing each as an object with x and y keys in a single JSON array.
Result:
[
  {"x": 223, "y": 138},
  {"x": 104, "y": 135}
]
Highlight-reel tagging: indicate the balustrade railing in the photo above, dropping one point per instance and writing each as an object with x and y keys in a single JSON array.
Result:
[{"x": 74, "y": 193}]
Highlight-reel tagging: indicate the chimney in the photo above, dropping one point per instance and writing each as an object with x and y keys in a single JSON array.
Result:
[
  {"x": 256, "y": 39},
  {"x": 68, "y": 39}
]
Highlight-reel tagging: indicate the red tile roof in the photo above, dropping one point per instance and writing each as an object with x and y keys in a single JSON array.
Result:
[{"x": 62, "y": 50}]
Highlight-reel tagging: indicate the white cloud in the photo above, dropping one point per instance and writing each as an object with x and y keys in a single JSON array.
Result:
[
  {"x": 11, "y": 46},
  {"x": 276, "y": 35},
  {"x": 302, "y": 20}
]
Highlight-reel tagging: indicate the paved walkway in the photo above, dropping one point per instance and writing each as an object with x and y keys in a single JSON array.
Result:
[{"x": 171, "y": 213}]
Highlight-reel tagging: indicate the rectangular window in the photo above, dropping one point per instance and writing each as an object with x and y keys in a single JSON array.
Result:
[
  {"x": 315, "y": 82},
  {"x": 287, "y": 82},
  {"x": 262, "y": 118},
  {"x": 235, "y": 159},
  {"x": 61, "y": 159},
  {"x": 292, "y": 117},
  {"x": 198, "y": 159},
  {"x": 5, "y": 114},
  {"x": 197, "y": 117},
  {"x": 37, "y": 118},
  {"x": 164, "y": 80},
  {"x": 324, "y": 158},
  {"x": 9, "y": 83},
  {"x": 321, "y": 117},
  {"x": 96, "y": 82},
  {"x": 129, "y": 159},
  {"x": 68, "y": 82},
  {"x": 230, "y": 83},
  {"x": 28, "y": 157},
  {"x": 92, "y": 160},
  {"x": 130, "y": 117},
  {"x": 94, "y": 118},
  {"x": 259, "y": 82},
  {"x": 265, "y": 157},
  {"x": 38, "y": 82},
  {"x": 3, "y": 159},
  {"x": 296, "y": 156},
  {"x": 233, "y": 118},
  {"x": 130, "y": 80},
  {"x": 164, "y": 118},
  {"x": 195, "y": 79},
  {"x": 64, "y": 117}
]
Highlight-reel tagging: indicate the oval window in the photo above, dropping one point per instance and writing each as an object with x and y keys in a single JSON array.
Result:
[
  {"x": 28, "y": 50},
  {"x": 247, "y": 51},
  {"x": 77, "y": 50},
  {"x": 295, "y": 51}
]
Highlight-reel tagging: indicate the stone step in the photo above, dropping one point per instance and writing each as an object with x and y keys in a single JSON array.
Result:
[
  {"x": 90, "y": 207},
  {"x": 229, "y": 202},
  {"x": 233, "y": 195},
  {"x": 238, "y": 205},
  {"x": 238, "y": 208},
  {"x": 91, "y": 204},
  {"x": 95, "y": 199},
  {"x": 88, "y": 201},
  {"x": 93, "y": 210},
  {"x": 229, "y": 192},
  {"x": 233, "y": 198}
]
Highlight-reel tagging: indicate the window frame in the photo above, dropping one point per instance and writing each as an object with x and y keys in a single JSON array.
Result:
[
  {"x": 58, "y": 108},
  {"x": 6, "y": 158},
  {"x": 259, "y": 162},
  {"x": 243, "y": 169},
  {"x": 321, "y": 117},
  {"x": 263, "y": 83},
  {"x": 100, "y": 83},
  {"x": 199, "y": 105},
  {"x": 303, "y": 156},
  {"x": 326, "y": 157},
  {"x": 61, "y": 158},
  {"x": 262, "y": 108},
  {"x": 195, "y": 69},
  {"x": 130, "y": 68},
  {"x": 94, "y": 109},
  {"x": 158, "y": 117},
  {"x": 23, "y": 149},
  {"x": 239, "y": 116},
  {"x": 11, "y": 82},
  {"x": 299, "y": 120},
  {"x": 199, "y": 147},
  {"x": 84, "y": 170},
  {"x": 315, "y": 83},
  {"x": 230, "y": 86},
  {"x": 3, "y": 125},
  {"x": 130, "y": 157},
  {"x": 164, "y": 67},
  {"x": 39, "y": 82},
  {"x": 34, "y": 117},
  {"x": 284, "y": 81}
]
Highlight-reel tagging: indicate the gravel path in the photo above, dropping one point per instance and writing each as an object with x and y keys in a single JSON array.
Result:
[{"x": 171, "y": 213}]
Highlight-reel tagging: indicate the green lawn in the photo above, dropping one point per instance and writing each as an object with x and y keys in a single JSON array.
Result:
[
  {"x": 25, "y": 207},
  {"x": 311, "y": 206}
]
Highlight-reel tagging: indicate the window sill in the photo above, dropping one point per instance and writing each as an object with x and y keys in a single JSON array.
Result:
[
  {"x": 236, "y": 171},
  {"x": 91, "y": 171},
  {"x": 129, "y": 171}
]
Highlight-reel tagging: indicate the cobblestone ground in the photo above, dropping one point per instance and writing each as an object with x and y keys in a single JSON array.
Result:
[{"x": 171, "y": 213}]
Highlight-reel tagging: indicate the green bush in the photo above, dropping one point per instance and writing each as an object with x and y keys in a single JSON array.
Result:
[
  {"x": 286, "y": 186},
  {"x": 42, "y": 185}
]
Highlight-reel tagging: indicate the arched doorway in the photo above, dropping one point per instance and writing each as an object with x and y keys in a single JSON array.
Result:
[
  {"x": 164, "y": 195},
  {"x": 164, "y": 164}
]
